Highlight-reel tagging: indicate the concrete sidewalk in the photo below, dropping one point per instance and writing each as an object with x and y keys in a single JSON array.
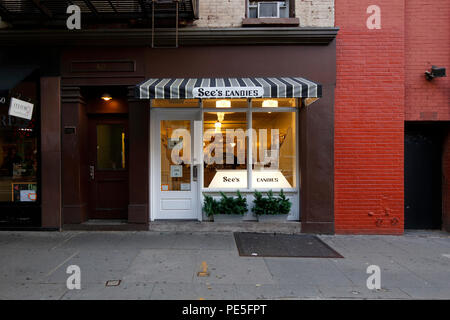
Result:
[{"x": 154, "y": 265}]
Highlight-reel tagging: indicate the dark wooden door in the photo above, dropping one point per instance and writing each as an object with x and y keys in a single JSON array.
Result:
[
  {"x": 108, "y": 168},
  {"x": 423, "y": 178}
]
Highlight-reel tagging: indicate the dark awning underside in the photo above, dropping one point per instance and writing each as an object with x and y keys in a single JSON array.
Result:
[{"x": 184, "y": 88}]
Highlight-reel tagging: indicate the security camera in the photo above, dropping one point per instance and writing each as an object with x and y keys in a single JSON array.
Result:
[{"x": 436, "y": 72}]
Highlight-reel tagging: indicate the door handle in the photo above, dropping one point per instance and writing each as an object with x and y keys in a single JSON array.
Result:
[
  {"x": 92, "y": 172},
  {"x": 195, "y": 173}
]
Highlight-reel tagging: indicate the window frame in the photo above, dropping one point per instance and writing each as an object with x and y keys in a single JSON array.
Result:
[
  {"x": 290, "y": 7},
  {"x": 249, "y": 111}
]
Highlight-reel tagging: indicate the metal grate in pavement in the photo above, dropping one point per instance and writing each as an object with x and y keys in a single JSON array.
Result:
[{"x": 282, "y": 245}]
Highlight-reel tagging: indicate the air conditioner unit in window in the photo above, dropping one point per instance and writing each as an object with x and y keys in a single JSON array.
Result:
[{"x": 268, "y": 10}]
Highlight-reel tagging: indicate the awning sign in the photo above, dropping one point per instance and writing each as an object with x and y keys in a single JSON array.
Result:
[
  {"x": 228, "y": 88},
  {"x": 21, "y": 109},
  {"x": 227, "y": 92}
]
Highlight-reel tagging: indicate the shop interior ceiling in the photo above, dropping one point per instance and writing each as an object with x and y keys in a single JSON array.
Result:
[{"x": 52, "y": 13}]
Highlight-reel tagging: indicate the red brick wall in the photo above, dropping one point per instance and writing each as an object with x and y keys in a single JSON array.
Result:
[
  {"x": 369, "y": 119},
  {"x": 427, "y": 41}
]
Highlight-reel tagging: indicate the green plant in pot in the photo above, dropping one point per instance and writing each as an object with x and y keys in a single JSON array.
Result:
[
  {"x": 226, "y": 205},
  {"x": 271, "y": 205},
  {"x": 259, "y": 204},
  {"x": 210, "y": 207},
  {"x": 233, "y": 205},
  {"x": 284, "y": 204}
]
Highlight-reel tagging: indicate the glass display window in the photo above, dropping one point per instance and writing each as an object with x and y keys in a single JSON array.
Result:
[
  {"x": 225, "y": 150},
  {"x": 272, "y": 150}
]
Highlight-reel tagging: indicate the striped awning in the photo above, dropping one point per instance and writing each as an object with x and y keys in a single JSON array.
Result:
[{"x": 214, "y": 88}]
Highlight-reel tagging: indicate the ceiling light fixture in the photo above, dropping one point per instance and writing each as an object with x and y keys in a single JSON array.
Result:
[
  {"x": 309, "y": 101},
  {"x": 106, "y": 97}
]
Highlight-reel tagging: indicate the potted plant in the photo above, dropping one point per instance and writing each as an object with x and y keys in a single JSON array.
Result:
[
  {"x": 271, "y": 205},
  {"x": 210, "y": 207},
  {"x": 233, "y": 205},
  {"x": 284, "y": 204}
]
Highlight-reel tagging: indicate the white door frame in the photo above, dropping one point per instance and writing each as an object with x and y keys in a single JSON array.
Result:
[{"x": 156, "y": 115}]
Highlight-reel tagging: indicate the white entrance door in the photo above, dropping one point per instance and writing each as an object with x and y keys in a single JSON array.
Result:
[{"x": 175, "y": 177}]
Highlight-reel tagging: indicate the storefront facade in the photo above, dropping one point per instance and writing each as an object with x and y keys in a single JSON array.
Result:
[
  {"x": 100, "y": 149},
  {"x": 204, "y": 146},
  {"x": 163, "y": 188},
  {"x": 346, "y": 162}
]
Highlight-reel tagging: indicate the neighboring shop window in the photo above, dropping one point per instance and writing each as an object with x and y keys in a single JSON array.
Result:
[
  {"x": 225, "y": 150},
  {"x": 18, "y": 157},
  {"x": 273, "y": 149}
]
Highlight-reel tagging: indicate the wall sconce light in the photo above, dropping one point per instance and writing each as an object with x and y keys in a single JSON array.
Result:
[
  {"x": 106, "y": 97},
  {"x": 310, "y": 101},
  {"x": 436, "y": 72},
  {"x": 270, "y": 104},
  {"x": 223, "y": 104}
]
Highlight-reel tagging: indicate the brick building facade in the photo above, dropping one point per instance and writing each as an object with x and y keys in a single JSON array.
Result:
[
  {"x": 230, "y": 13},
  {"x": 380, "y": 85},
  {"x": 358, "y": 145},
  {"x": 427, "y": 44}
]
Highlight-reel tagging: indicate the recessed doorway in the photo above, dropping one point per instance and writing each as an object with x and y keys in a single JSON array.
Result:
[
  {"x": 108, "y": 167},
  {"x": 424, "y": 175}
]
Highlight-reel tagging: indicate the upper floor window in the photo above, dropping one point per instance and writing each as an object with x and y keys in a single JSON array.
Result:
[{"x": 270, "y": 9}]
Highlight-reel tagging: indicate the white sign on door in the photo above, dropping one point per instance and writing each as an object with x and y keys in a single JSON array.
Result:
[
  {"x": 185, "y": 187},
  {"x": 176, "y": 171},
  {"x": 21, "y": 109}
]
